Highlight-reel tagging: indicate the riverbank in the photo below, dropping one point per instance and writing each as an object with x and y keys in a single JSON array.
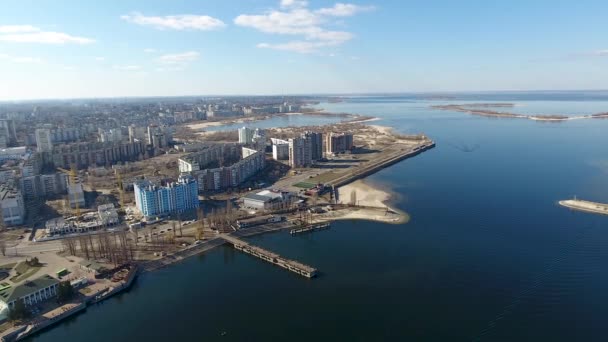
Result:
[
  {"x": 481, "y": 109},
  {"x": 586, "y": 206}
]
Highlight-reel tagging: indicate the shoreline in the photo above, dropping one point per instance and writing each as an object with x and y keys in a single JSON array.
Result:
[
  {"x": 585, "y": 206},
  {"x": 199, "y": 127},
  {"x": 482, "y": 110}
]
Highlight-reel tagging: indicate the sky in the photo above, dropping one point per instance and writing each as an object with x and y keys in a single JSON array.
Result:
[{"x": 74, "y": 49}]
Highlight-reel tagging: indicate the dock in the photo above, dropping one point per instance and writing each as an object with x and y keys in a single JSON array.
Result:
[
  {"x": 273, "y": 258},
  {"x": 309, "y": 228},
  {"x": 586, "y": 206}
]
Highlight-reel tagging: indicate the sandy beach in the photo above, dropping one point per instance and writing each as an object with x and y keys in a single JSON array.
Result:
[{"x": 367, "y": 195}]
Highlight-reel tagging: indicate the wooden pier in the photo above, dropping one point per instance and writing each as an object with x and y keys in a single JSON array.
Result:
[
  {"x": 273, "y": 258},
  {"x": 309, "y": 228}
]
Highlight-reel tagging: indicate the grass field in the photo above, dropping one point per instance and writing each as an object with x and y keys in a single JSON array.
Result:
[
  {"x": 304, "y": 185},
  {"x": 24, "y": 271}
]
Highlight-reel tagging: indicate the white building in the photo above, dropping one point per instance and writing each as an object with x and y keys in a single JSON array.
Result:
[
  {"x": 280, "y": 149},
  {"x": 245, "y": 135},
  {"x": 44, "y": 140},
  {"x": 31, "y": 292},
  {"x": 13, "y": 153},
  {"x": 266, "y": 199},
  {"x": 13, "y": 209}
]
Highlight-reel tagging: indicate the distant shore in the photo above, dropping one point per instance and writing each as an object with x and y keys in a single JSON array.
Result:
[
  {"x": 586, "y": 206},
  {"x": 199, "y": 127},
  {"x": 481, "y": 109}
]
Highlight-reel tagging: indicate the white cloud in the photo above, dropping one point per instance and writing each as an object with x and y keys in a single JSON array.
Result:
[
  {"x": 344, "y": 10},
  {"x": 176, "y": 22},
  {"x": 179, "y": 58},
  {"x": 100, "y": 59},
  {"x": 127, "y": 67},
  {"x": 18, "y": 28},
  {"x": 293, "y": 3},
  {"x": 32, "y": 34},
  {"x": 297, "y": 20},
  {"x": 24, "y": 60},
  {"x": 149, "y": 50}
]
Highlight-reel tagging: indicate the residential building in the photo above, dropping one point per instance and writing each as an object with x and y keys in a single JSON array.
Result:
[
  {"x": 155, "y": 200},
  {"x": 338, "y": 143},
  {"x": 44, "y": 140},
  {"x": 11, "y": 203},
  {"x": 46, "y": 185},
  {"x": 8, "y": 129},
  {"x": 245, "y": 135},
  {"x": 110, "y": 135},
  {"x": 316, "y": 144},
  {"x": 280, "y": 149},
  {"x": 137, "y": 133},
  {"x": 300, "y": 154},
  {"x": 230, "y": 176},
  {"x": 85, "y": 154},
  {"x": 210, "y": 156}
]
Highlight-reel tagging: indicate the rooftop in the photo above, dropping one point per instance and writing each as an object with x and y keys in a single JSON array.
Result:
[{"x": 7, "y": 295}]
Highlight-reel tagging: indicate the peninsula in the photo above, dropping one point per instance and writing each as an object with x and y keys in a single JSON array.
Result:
[{"x": 484, "y": 109}]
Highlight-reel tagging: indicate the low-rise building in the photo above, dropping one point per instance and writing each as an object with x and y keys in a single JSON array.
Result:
[
  {"x": 30, "y": 292},
  {"x": 267, "y": 200},
  {"x": 13, "y": 208},
  {"x": 256, "y": 221}
]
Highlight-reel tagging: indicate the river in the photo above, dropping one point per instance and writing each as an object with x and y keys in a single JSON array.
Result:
[{"x": 488, "y": 254}]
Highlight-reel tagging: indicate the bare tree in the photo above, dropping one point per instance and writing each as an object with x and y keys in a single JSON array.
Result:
[{"x": 3, "y": 247}]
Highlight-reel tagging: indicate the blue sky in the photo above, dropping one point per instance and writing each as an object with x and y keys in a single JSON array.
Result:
[{"x": 65, "y": 49}]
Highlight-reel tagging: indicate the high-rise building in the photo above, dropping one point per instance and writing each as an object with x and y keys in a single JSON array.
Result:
[
  {"x": 110, "y": 135},
  {"x": 245, "y": 135},
  {"x": 76, "y": 195},
  {"x": 137, "y": 133},
  {"x": 44, "y": 140},
  {"x": 316, "y": 144},
  {"x": 280, "y": 149},
  {"x": 7, "y": 129},
  {"x": 154, "y": 200},
  {"x": 300, "y": 152},
  {"x": 338, "y": 143}
]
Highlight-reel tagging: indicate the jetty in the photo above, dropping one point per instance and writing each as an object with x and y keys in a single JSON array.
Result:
[
  {"x": 309, "y": 228},
  {"x": 586, "y": 206},
  {"x": 273, "y": 258}
]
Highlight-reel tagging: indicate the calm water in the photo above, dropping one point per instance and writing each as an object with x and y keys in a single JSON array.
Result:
[
  {"x": 488, "y": 254},
  {"x": 282, "y": 121}
]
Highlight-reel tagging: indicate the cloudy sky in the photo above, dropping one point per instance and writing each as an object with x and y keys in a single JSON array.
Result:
[{"x": 67, "y": 49}]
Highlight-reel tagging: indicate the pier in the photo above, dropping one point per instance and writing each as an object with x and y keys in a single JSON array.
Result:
[
  {"x": 273, "y": 258},
  {"x": 309, "y": 228}
]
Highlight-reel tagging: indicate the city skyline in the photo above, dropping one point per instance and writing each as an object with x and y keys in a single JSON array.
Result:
[{"x": 135, "y": 49}]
